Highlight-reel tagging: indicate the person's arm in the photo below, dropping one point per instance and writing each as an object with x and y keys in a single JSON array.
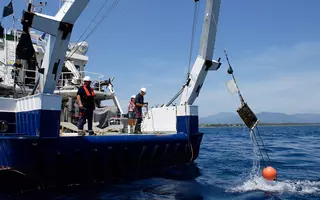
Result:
[
  {"x": 79, "y": 98},
  {"x": 142, "y": 104},
  {"x": 94, "y": 104},
  {"x": 139, "y": 105},
  {"x": 79, "y": 101},
  {"x": 137, "y": 102}
]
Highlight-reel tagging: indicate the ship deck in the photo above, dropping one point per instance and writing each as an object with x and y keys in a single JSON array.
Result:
[
  {"x": 71, "y": 134},
  {"x": 69, "y": 129}
]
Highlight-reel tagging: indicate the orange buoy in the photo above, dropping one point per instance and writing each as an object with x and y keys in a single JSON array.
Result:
[{"x": 269, "y": 173}]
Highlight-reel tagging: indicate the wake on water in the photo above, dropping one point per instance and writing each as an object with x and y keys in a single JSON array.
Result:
[{"x": 257, "y": 182}]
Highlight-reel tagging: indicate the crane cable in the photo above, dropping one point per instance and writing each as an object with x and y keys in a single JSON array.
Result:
[
  {"x": 105, "y": 2},
  {"x": 263, "y": 147},
  {"x": 194, "y": 26},
  {"x": 95, "y": 27},
  {"x": 253, "y": 134}
]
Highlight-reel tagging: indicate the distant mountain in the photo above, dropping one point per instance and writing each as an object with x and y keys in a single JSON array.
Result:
[
  {"x": 222, "y": 118},
  {"x": 265, "y": 117}
]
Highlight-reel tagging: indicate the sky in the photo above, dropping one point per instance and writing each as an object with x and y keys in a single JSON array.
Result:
[{"x": 273, "y": 47}]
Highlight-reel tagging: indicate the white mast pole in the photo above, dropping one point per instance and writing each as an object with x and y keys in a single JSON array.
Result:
[{"x": 14, "y": 38}]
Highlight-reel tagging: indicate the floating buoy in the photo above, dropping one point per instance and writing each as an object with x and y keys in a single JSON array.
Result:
[{"x": 269, "y": 173}]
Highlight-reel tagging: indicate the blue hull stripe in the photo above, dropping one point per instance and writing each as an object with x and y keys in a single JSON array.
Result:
[
  {"x": 187, "y": 124},
  {"x": 31, "y": 123}
]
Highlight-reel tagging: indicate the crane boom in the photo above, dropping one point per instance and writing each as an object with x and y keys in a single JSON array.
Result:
[{"x": 204, "y": 61}]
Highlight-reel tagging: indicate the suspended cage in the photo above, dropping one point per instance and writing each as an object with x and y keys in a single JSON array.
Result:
[{"x": 246, "y": 114}]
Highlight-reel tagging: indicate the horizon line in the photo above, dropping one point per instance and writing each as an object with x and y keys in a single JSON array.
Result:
[{"x": 268, "y": 112}]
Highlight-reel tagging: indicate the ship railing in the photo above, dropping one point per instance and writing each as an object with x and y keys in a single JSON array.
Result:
[
  {"x": 68, "y": 79},
  {"x": 23, "y": 76},
  {"x": 35, "y": 37},
  {"x": 27, "y": 78},
  {"x": 9, "y": 75}
]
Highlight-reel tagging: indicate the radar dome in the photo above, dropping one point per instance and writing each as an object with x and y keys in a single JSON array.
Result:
[{"x": 80, "y": 47}]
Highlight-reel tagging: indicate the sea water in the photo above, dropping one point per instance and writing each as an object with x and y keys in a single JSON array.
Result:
[{"x": 228, "y": 167}]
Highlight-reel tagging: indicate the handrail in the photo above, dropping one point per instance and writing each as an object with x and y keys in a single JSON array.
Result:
[
  {"x": 34, "y": 36},
  {"x": 61, "y": 82},
  {"x": 100, "y": 75}
]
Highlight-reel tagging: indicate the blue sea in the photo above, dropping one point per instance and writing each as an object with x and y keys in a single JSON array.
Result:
[{"x": 228, "y": 167}]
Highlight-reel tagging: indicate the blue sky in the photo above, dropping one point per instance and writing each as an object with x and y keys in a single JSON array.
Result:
[{"x": 273, "y": 46}]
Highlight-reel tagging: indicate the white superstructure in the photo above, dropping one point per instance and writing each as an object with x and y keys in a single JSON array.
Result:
[
  {"x": 74, "y": 65},
  {"x": 72, "y": 70}
]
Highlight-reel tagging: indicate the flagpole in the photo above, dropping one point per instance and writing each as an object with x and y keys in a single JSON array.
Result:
[
  {"x": 14, "y": 53},
  {"x": 14, "y": 38}
]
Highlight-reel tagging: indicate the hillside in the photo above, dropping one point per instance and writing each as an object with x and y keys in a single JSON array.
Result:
[{"x": 265, "y": 117}]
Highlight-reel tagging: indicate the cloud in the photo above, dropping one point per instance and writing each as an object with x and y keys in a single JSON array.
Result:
[{"x": 281, "y": 79}]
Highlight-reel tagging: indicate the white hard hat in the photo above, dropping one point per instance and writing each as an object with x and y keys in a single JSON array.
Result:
[
  {"x": 87, "y": 78},
  {"x": 133, "y": 96},
  {"x": 143, "y": 90}
]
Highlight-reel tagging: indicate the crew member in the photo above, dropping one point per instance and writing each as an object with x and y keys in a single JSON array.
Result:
[
  {"x": 16, "y": 71},
  {"x": 85, "y": 97},
  {"x": 131, "y": 106},
  {"x": 139, "y": 103}
]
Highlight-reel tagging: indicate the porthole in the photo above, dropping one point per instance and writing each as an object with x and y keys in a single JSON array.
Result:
[{"x": 3, "y": 126}]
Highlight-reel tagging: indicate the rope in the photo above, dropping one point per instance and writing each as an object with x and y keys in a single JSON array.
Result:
[
  {"x": 89, "y": 26},
  {"x": 105, "y": 2},
  {"x": 254, "y": 138},
  {"x": 234, "y": 79},
  {"x": 191, "y": 159},
  {"x": 95, "y": 27},
  {"x": 194, "y": 23},
  {"x": 263, "y": 146}
]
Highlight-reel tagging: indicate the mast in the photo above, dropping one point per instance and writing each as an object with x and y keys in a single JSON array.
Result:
[
  {"x": 204, "y": 61},
  {"x": 14, "y": 38}
]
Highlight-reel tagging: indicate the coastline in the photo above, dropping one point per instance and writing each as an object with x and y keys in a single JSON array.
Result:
[{"x": 260, "y": 124}]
